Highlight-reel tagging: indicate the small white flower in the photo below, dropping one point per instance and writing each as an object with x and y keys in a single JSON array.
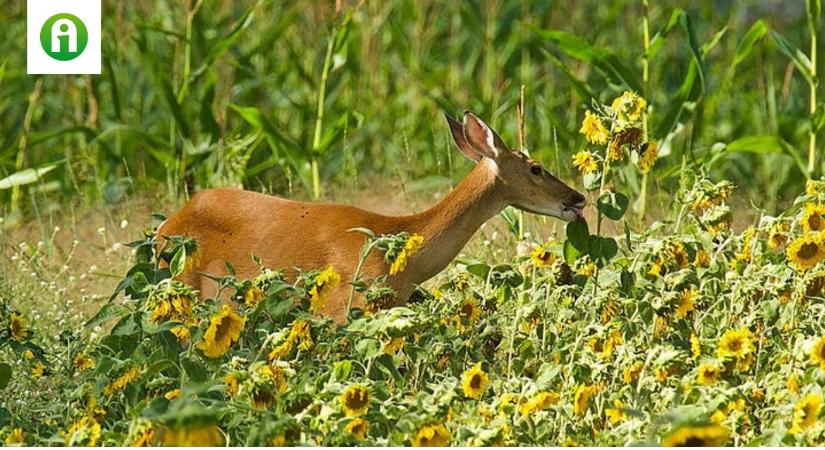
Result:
[{"x": 124, "y": 223}]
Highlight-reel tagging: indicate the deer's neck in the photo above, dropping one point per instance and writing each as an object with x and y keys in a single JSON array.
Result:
[{"x": 449, "y": 224}]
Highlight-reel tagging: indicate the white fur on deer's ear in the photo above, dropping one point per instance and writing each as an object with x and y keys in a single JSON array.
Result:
[
  {"x": 481, "y": 137},
  {"x": 457, "y": 131}
]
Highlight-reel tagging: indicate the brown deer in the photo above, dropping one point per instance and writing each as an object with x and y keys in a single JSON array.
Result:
[{"x": 233, "y": 225}]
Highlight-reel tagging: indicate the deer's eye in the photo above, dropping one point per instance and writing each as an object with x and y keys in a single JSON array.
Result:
[{"x": 535, "y": 169}]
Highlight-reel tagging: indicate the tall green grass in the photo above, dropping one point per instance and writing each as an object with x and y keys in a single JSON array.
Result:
[{"x": 297, "y": 96}]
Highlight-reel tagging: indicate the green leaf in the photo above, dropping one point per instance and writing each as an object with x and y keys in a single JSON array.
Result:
[
  {"x": 766, "y": 144},
  {"x": 26, "y": 176},
  {"x": 756, "y": 32},
  {"x": 800, "y": 59},
  {"x": 5, "y": 375},
  {"x": 341, "y": 370},
  {"x": 570, "y": 253},
  {"x": 577, "y": 234},
  {"x": 479, "y": 270},
  {"x": 613, "y": 205},
  {"x": 107, "y": 312},
  {"x": 178, "y": 262},
  {"x": 602, "y": 249},
  {"x": 194, "y": 370}
]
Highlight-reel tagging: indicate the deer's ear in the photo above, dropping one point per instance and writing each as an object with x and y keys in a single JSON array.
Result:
[
  {"x": 457, "y": 131},
  {"x": 481, "y": 136}
]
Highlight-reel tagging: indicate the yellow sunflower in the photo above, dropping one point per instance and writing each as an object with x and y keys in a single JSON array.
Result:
[
  {"x": 818, "y": 353},
  {"x": 708, "y": 374},
  {"x": 616, "y": 414},
  {"x": 355, "y": 400},
  {"x": 702, "y": 258},
  {"x": 805, "y": 413},
  {"x": 411, "y": 247},
  {"x": 687, "y": 300},
  {"x": 324, "y": 283},
  {"x": 435, "y": 435},
  {"x": 735, "y": 343},
  {"x": 539, "y": 402},
  {"x": 82, "y": 362},
  {"x": 711, "y": 435},
  {"x": 778, "y": 235},
  {"x": 650, "y": 152},
  {"x": 231, "y": 384},
  {"x": 695, "y": 346},
  {"x": 83, "y": 433},
  {"x": 225, "y": 328},
  {"x": 253, "y": 296},
  {"x": 585, "y": 162},
  {"x": 806, "y": 251},
  {"x": 581, "y": 399},
  {"x": 474, "y": 382},
  {"x": 357, "y": 428},
  {"x": 120, "y": 383},
  {"x": 15, "y": 436},
  {"x": 593, "y": 129},
  {"x": 200, "y": 435},
  {"x": 17, "y": 325},
  {"x": 813, "y": 217},
  {"x": 629, "y": 107},
  {"x": 541, "y": 257}
]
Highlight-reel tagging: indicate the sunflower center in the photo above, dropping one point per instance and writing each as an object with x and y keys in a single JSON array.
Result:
[
  {"x": 815, "y": 222},
  {"x": 808, "y": 251},
  {"x": 223, "y": 329},
  {"x": 475, "y": 381},
  {"x": 693, "y": 441},
  {"x": 466, "y": 310},
  {"x": 356, "y": 400},
  {"x": 735, "y": 345}
]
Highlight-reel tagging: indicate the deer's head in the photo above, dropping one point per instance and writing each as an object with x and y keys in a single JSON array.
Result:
[{"x": 523, "y": 181}]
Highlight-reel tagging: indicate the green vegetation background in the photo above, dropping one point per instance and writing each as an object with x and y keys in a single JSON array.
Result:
[{"x": 196, "y": 94}]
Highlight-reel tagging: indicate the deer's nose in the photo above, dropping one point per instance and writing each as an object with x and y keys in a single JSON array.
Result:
[{"x": 577, "y": 200}]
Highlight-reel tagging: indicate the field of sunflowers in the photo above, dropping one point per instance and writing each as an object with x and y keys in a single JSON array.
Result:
[{"x": 686, "y": 334}]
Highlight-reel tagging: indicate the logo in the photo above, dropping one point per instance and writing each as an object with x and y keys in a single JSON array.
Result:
[{"x": 63, "y": 36}]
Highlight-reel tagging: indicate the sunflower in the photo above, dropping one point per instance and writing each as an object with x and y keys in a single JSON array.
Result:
[
  {"x": 474, "y": 382},
  {"x": 710, "y": 435},
  {"x": 702, "y": 258},
  {"x": 708, "y": 374},
  {"x": 541, "y": 257},
  {"x": 593, "y": 129},
  {"x": 813, "y": 217},
  {"x": 585, "y": 162},
  {"x": 357, "y": 428},
  {"x": 629, "y": 107},
  {"x": 695, "y": 346},
  {"x": 412, "y": 246},
  {"x": 171, "y": 395},
  {"x": 539, "y": 402},
  {"x": 687, "y": 300},
  {"x": 793, "y": 384},
  {"x": 120, "y": 383},
  {"x": 435, "y": 435},
  {"x": 818, "y": 353},
  {"x": 301, "y": 333},
  {"x": 355, "y": 400},
  {"x": 805, "y": 413},
  {"x": 632, "y": 372},
  {"x": 84, "y": 432},
  {"x": 394, "y": 345},
  {"x": 650, "y": 152},
  {"x": 616, "y": 414},
  {"x": 469, "y": 310},
  {"x": 231, "y": 384},
  {"x": 581, "y": 399},
  {"x": 253, "y": 296},
  {"x": 224, "y": 329},
  {"x": 82, "y": 362},
  {"x": 778, "y": 235},
  {"x": 806, "y": 251},
  {"x": 736, "y": 344},
  {"x": 324, "y": 283},
  {"x": 17, "y": 325},
  {"x": 39, "y": 370},
  {"x": 15, "y": 436},
  {"x": 629, "y": 137},
  {"x": 201, "y": 435}
]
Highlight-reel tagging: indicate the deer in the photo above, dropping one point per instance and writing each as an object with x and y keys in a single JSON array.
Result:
[{"x": 237, "y": 226}]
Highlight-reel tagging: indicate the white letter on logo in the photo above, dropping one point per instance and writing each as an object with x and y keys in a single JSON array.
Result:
[{"x": 64, "y": 27}]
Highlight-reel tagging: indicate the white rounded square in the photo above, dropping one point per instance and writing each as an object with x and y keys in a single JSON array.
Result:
[{"x": 63, "y": 37}]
